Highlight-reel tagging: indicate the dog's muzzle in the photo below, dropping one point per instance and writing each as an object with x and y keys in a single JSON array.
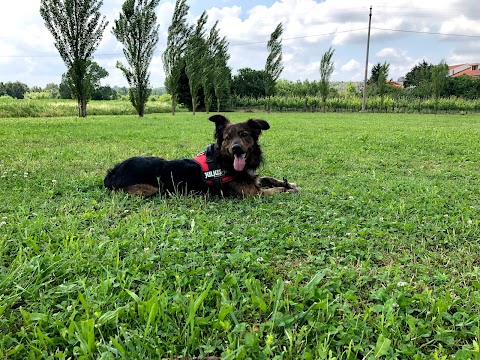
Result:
[{"x": 240, "y": 157}]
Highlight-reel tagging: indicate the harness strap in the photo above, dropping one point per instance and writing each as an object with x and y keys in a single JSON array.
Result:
[{"x": 213, "y": 174}]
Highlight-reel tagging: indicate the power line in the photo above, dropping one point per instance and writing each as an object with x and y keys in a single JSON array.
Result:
[
  {"x": 300, "y": 37},
  {"x": 265, "y": 41},
  {"x": 427, "y": 32}
]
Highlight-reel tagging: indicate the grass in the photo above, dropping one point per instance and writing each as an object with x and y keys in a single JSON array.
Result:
[
  {"x": 377, "y": 257},
  {"x": 60, "y": 107}
]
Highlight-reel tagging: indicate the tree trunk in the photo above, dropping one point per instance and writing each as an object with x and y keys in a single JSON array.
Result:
[
  {"x": 82, "y": 108},
  {"x": 173, "y": 105}
]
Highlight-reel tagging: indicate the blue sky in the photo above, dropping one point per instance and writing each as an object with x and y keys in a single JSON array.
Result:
[{"x": 404, "y": 33}]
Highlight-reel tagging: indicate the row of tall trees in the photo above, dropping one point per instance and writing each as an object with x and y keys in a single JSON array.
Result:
[{"x": 77, "y": 28}]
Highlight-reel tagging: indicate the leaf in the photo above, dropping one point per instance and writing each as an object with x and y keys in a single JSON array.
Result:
[
  {"x": 383, "y": 344},
  {"x": 311, "y": 285},
  {"x": 109, "y": 315}
]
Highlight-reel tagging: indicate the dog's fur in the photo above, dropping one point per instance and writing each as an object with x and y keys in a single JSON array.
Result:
[{"x": 236, "y": 150}]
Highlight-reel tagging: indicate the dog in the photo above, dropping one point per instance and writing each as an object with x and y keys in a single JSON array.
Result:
[{"x": 227, "y": 167}]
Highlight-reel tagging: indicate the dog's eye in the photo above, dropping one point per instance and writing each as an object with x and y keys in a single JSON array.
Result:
[
  {"x": 244, "y": 134},
  {"x": 228, "y": 137}
]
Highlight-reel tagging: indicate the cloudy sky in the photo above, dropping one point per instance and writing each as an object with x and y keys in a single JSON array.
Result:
[{"x": 404, "y": 32}]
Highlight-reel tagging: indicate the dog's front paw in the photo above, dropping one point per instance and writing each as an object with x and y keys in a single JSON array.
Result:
[
  {"x": 293, "y": 189},
  {"x": 290, "y": 187}
]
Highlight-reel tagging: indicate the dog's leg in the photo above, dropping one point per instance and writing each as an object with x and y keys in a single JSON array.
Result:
[
  {"x": 144, "y": 190},
  {"x": 271, "y": 182},
  {"x": 276, "y": 190}
]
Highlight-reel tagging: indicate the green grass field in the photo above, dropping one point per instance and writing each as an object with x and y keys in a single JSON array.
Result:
[{"x": 377, "y": 257}]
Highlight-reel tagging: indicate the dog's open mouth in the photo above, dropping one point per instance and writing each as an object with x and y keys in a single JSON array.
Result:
[{"x": 239, "y": 162}]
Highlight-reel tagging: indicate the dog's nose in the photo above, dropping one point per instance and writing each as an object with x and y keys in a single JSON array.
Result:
[{"x": 236, "y": 149}]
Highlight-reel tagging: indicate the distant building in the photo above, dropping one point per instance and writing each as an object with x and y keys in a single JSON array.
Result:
[
  {"x": 395, "y": 83},
  {"x": 471, "y": 70}
]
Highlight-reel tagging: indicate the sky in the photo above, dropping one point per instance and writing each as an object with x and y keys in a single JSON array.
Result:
[{"x": 403, "y": 34}]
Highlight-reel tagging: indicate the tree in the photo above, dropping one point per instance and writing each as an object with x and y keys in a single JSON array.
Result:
[
  {"x": 173, "y": 57},
  {"x": 64, "y": 88},
  {"x": 419, "y": 75},
  {"x": 377, "y": 70},
  {"x": 77, "y": 28},
  {"x": 274, "y": 64},
  {"x": 137, "y": 30},
  {"x": 93, "y": 74},
  {"x": 439, "y": 80},
  {"x": 104, "y": 93},
  {"x": 195, "y": 58},
  {"x": 326, "y": 71},
  {"x": 53, "y": 90},
  {"x": 460, "y": 86},
  {"x": 16, "y": 89},
  {"x": 379, "y": 79},
  {"x": 217, "y": 74},
  {"x": 249, "y": 82},
  {"x": 208, "y": 66}
]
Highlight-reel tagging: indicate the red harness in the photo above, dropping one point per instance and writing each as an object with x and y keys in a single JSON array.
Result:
[{"x": 213, "y": 174}]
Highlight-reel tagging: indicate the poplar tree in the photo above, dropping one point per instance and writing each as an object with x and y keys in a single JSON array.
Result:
[
  {"x": 195, "y": 58},
  {"x": 137, "y": 30},
  {"x": 274, "y": 64},
  {"x": 173, "y": 56},
  {"x": 439, "y": 81},
  {"x": 221, "y": 73},
  {"x": 77, "y": 28},
  {"x": 326, "y": 71}
]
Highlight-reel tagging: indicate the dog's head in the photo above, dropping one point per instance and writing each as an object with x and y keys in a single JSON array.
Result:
[{"x": 238, "y": 143}]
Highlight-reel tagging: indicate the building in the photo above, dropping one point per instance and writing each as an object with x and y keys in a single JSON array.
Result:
[{"x": 472, "y": 70}]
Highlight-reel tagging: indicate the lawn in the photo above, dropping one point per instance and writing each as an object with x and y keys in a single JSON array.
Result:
[{"x": 377, "y": 257}]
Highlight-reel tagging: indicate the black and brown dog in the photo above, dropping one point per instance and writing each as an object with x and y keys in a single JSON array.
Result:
[{"x": 226, "y": 168}]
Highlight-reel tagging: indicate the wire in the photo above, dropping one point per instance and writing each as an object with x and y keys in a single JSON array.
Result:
[
  {"x": 300, "y": 37},
  {"x": 427, "y": 32}
]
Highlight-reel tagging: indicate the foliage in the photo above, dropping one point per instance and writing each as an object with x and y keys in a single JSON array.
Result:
[
  {"x": 173, "y": 56},
  {"x": 386, "y": 267},
  {"x": 249, "y": 82},
  {"x": 462, "y": 86},
  {"x": 77, "y": 29},
  {"x": 274, "y": 62},
  {"x": 419, "y": 76},
  {"x": 15, "y": 89},
  {"x": 439, "y": 80},
  {"x": 326, "y": 70},
  {"x": 37, "y": 95},
  {"x": 297, "y": 88},
  {"x": 347, "y": 103},
  {"x": 137, "y": 30},
  {"x": 377, "y": 71},
  {"x": 221, "y": 74},
  {"x": 104, "y": 93},
  {"x": 12, "y": 108},
  {"x": 195, "y": 57},
  {"x": 94, "y": 74}
]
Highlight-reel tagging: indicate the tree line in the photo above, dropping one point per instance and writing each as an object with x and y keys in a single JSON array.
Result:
[
  {"x": 191, "y": 52},
  {"x": 195, "y": 62}
]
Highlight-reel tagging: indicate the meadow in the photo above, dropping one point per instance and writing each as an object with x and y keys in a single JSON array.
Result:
[
  {"x": 377, "y": 257},
  {"x": 14, "y": 108}
]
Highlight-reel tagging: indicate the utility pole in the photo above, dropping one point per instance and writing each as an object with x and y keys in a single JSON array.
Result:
[{"x": 364, "y": 101}]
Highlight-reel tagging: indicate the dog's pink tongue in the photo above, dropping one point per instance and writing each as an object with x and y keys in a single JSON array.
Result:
[{"x": 239, "y": 162}]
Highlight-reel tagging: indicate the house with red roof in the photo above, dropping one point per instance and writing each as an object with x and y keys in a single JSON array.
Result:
[{"x": 472, "y": 70}]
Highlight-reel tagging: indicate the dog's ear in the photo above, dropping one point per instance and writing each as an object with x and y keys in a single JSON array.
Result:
[
  {"x": 257, "y": 125},
  {"x": 220, "y": 123}
]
